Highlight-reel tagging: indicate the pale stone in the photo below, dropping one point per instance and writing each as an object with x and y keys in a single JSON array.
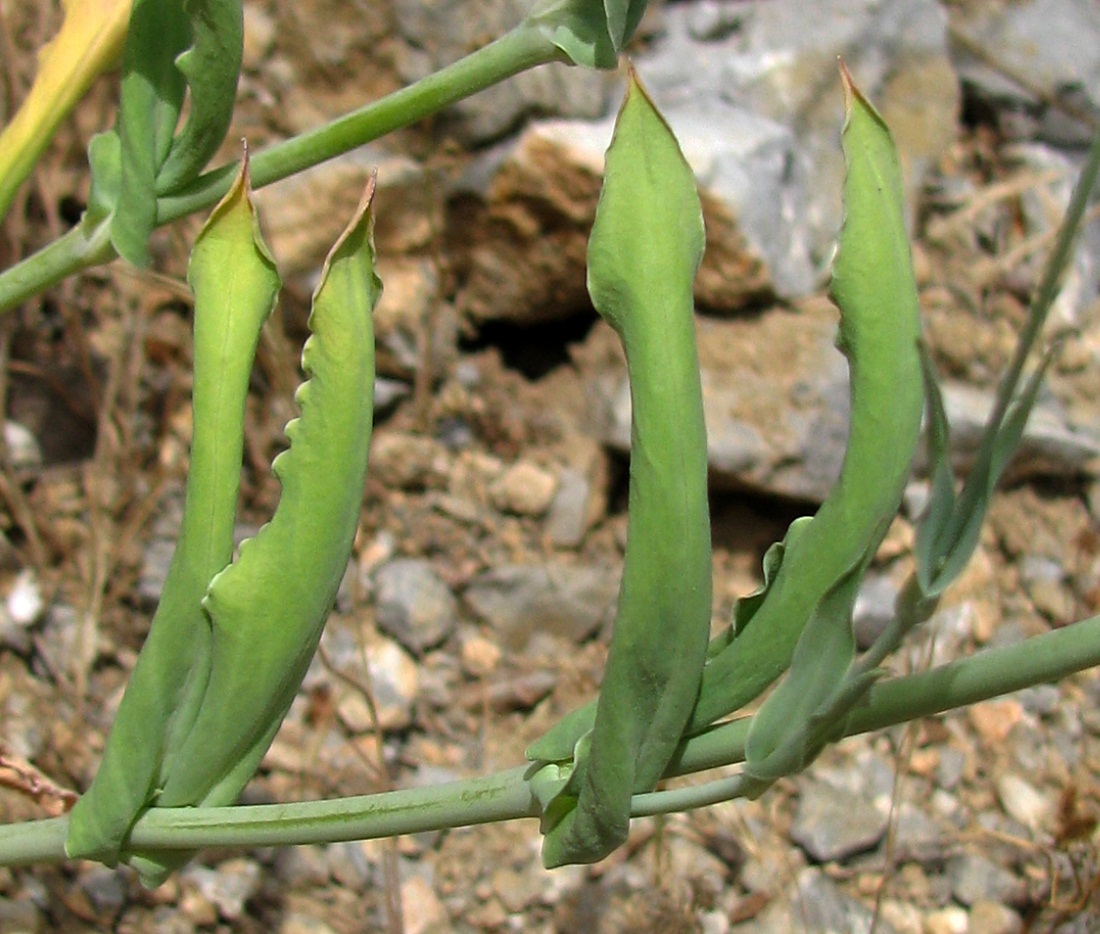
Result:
[{"x": 525, "y": 489}]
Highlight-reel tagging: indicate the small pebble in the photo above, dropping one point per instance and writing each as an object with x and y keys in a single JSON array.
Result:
[
  {"x": 479, "y": 656},
  {"x": 1022, "y": 801},
  {"x": 423, "y": 912},
  {"x": 567, "y": 519},
  {"x": 525, "y": 489},
  {"x": 23, "y": 449},
  {"x": 105, "y": 888},
  {"x": 995, "y": 719},
  {"x": 226, "y": 888},
  {"x": 298, "y": 922},
  {"x": 830, "y": 824},
  {"x": 994, "y": 918},
  {"x": 413, "y": 604},
  {"x": 975, "y": 878},
  {"x": 25, "y": 603},
  {"x": 951, "y": 920}
]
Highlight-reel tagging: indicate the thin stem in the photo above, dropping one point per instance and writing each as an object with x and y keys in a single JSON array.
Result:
[
  {"x": 1048, "y": 286},
  {"x": 524, "y": 47},
  {"x": 507, "y": 795}
]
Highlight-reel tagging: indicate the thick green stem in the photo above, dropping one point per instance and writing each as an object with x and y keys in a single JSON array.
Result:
[
  {"x": 81, "y": 248},
  {"x": 1039, "y": 660},
  {"x": 524, "y": 47},
  {"x": 507, "y": 795}
]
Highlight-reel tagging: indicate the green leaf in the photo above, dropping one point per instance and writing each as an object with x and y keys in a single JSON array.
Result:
[
  {"x": 105, "y": 161},
  {"x": 152, "y": 92},
  {"x": 932, "y": 528},
  {"x": 211, "y": 67},
  {"x": 269, "y": 606},
  {"x": 589, "y": 32},
  {"x": 745, "y": 608},
  {"x": 235, "y": 283},
  {"x": 950, "y": 528},
  {"x": 948, "y": 532},
  {"x": 874, "y": 287},
  {"x": 821, "y": 660},
  {"x": 645, "y": 247}
]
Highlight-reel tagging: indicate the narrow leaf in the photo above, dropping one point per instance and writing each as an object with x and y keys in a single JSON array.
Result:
[
  {"x": 269, "y": 606},
  {"x": 960, "y": 532},
  {"x": 152, "y": 92},
  {"x": 211, "y": 67},
  {"x": 645, "y": 247},
  {"x": 819, "y": 665},
  {"x": 874, "y": 287},
  {"x": 235, "y": 283},
  {"x": 934, "y": 523}
]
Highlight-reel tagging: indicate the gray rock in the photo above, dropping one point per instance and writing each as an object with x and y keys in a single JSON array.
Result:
[
  {"x": 349, "y": 866},
  {"x": 874, "y": 608},
  {"x": 302, "y": 867},
  {"x": 815, "y": 904},
  {"x": 975, "y": 878},
  {"x": 532, "y": 203},
  {"x": 833, "y": 824},
  {"x": 57, "y": 641},
  {"x": 388, "y": 392},
  {"x": 865, "y": 774},
  {"x": 413, "y": 604},
  {"x": 298, "y": 922},
  {"x": 157, "y": 556},
  {"x": 155, "y": 560},
  {"x": 760, "y": 57},
  {"x": 711, "y": 20},
  {"x": 563, "y": 600},
  {"x": 381, "y": 663},
  {"x": 917, "y": 836},
  {"x": 408, "y": 461},
  {"x": 775, "y": 398},
  {"x": 949, "y": 771},
  {"x": 23, "y": 450},
  {"x": 1023, "y": 801},
  {"x": 993, "y": 918},
  {"x": 1042, "y": 699},
  {"x": 567, "y": 520},
  {"x": 105, "y": 888},
  {"x": 21, "y": 610},
  {"x": 1052, "y": 444},
  {"x": 20, "y": 915},
  {"x": 825, "y": 908},
  {"x": 227, "y": 887},
  {"x": 1054, "y": 44},
  {"x": 442, "y": 32},
  {"x": 303, "y": 218}
]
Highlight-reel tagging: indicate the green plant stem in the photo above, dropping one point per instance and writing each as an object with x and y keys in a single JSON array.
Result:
[
  {"x": 82, "y": 247},
  {"x": 507, "y": 795},
  {"x": 524, "y": 47},
  {"x": 1047, "y": 290},
  {"x": 1039, "y": 660}
]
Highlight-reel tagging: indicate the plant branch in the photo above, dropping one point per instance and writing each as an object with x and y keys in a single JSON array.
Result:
[
  {"x": 519, "y": 50},
  {"x": 507, "y": 795}
]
